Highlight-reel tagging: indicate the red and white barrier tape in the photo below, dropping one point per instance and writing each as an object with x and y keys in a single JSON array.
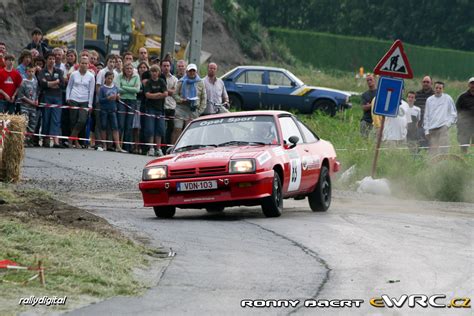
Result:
[
  {"x": 88, "y": 139},
  {"x": 3, "y": 130},
  {"x": 60, "y": 106}
]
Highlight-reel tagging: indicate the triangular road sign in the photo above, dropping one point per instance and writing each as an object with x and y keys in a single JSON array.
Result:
[{"x": 394, "y": 63}]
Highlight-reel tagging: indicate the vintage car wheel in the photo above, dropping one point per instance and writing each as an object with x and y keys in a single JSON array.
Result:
[
  {"x": 215, "y": 209},
  {"x": 164, "y": 211},
  {"x": 320, "y": 198},
  {"x": 326, "y": 106},
  {"x": 235, "y": 102},
  {"x": 272, "y": 206}
]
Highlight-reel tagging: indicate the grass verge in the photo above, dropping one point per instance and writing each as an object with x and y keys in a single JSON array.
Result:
[
  {"x": 80, "y": 263},
  {"x": 411, "y": 175}
]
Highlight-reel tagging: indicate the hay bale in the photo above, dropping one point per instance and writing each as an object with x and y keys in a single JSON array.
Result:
[{"x": 13, "y": 150}]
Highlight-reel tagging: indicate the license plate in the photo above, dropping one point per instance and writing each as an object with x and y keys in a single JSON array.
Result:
[{"x": 197, "y": 185}]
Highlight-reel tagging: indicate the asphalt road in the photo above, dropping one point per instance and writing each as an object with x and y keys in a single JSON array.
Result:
[{"x": 363, "y": 247}]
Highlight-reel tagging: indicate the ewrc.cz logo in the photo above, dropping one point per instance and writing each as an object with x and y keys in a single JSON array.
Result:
[{"x": 424, "y": 301}]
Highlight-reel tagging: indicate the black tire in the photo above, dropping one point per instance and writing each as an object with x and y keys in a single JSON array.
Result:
[
  {"x": 272, "y": 206},
  {"x": 326, "y": 106},
  {"x": 235, "y": 102},
  {"x": 215, "y": 209},
  {"x": 164, "y": 211},
  {"x": 320, "y": 199}
]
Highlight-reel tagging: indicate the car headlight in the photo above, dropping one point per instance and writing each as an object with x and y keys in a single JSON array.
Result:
[
  {"x": 242, "y": 166},
  {"x": 154, "y": 173}
]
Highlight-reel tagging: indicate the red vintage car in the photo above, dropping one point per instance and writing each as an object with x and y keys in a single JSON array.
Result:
[{"x": 243, "y": 158}]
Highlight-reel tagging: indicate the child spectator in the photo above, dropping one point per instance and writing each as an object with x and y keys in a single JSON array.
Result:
[
  {"x": 155, "y": 92},
  {"x": 108, "y": 96},
  {"x": 28, "y": 96},
  {"x": 24, "y": 61},
  {"x": 10, "y": 81},
  {"x": 414, "y": 125}
]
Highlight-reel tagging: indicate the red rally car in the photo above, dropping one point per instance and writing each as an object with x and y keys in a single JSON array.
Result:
[{"x": 242, "y": 158}]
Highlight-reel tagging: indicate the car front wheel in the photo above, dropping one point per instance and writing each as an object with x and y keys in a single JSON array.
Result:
[
  {"x": 320, "y": 198},
  {"x": 272, "y": 206},
  {"x": 164, "y": 211},
  {"x": 326, "y": 106}
]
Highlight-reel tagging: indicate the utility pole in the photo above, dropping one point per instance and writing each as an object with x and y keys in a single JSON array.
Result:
[
  {"x": 168, "y": 27},
  {"x": 81, "y": 21},
  {"x": 196, "y": 32}
]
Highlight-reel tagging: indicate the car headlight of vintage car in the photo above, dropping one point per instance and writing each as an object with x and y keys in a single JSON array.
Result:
[
  {"x": 242, "y": 166},
  {"x": 154, "y": 173}
]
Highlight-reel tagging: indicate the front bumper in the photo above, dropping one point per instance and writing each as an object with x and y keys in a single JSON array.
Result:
[{"x": 231, "y": 189}]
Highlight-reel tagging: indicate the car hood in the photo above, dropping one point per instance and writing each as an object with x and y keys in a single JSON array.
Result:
[
  {"x": 347, "y": 94},
  {"x": 208, "y": 156}
]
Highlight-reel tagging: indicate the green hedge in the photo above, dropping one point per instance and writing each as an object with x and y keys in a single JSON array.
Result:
[{"x": 349, "y": 53}]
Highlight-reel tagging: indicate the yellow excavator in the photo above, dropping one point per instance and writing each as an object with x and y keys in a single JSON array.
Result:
[{"x": 112, "y": 30}]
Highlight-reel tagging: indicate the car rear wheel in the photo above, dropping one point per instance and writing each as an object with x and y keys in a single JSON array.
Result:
[
  {"x": 164, "y": 211},
  {"x": 326, "y": 106},
  {"x": 215, "y": 209},
  {"x": 272, "y": 206},
  {"x": 320, "y": 198},
  {"x": 235, "y": 102}
]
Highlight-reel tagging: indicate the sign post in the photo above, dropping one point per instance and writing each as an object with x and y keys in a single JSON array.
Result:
[{"x": 389, "y": 91}]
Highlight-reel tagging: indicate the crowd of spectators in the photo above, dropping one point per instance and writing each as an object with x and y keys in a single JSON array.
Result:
[
  {"x": 424, "y": 119},
  {"x": 122, "y": 104}
]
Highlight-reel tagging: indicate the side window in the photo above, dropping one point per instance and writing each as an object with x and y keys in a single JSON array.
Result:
[
  {"x": 308, "y": 134},
  {"x": 289, "y": 128},
  {"x": 279, "y": 79},
  {"x": 251, "y": 77}
]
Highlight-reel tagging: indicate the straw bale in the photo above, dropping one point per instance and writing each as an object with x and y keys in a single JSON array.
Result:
[{"x": 13, "y": 150}]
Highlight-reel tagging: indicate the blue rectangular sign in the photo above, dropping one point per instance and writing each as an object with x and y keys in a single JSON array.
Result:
[{"x": 389, "y": 95}]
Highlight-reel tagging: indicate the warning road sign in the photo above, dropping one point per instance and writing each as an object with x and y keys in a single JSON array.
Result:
[{"x": 394, "y": 63}]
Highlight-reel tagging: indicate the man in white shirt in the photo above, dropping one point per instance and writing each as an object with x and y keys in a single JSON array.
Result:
[
  {"x": 440, "y": 114},
  {"x": 215, "y": 91},
  {"x": 80, "y": 92}
]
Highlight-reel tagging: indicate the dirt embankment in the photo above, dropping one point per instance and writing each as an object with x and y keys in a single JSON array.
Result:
[
  {"x": 19, "y": 17},
  {"x": 33, "y": 206}
]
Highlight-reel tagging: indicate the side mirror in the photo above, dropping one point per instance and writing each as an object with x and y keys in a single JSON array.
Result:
[
  {"x": 169, "y": 150},
  {"x": 293, "y": 84},
  {"x": 293, "y": 140}
]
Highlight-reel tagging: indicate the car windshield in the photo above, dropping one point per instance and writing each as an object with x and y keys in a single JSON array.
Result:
[
  {"x": 294, "y": 78},
  {"x": 254, "y": 130}
]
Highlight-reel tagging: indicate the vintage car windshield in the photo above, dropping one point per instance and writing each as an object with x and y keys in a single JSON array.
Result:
[
  {"x": 294, "y": 78},
  {"x": 229, "y": 131}
]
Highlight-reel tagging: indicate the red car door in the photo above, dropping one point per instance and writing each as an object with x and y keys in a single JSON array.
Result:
[{"x": 297, "y": 179}]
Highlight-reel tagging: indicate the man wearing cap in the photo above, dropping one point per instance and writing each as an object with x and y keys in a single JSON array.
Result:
[
  {"x": 440, "y": 114},
  {"x": 465, "y": 108},
  {"x": 37, "y": 42},
  {"x": 190, "y": 100}
]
